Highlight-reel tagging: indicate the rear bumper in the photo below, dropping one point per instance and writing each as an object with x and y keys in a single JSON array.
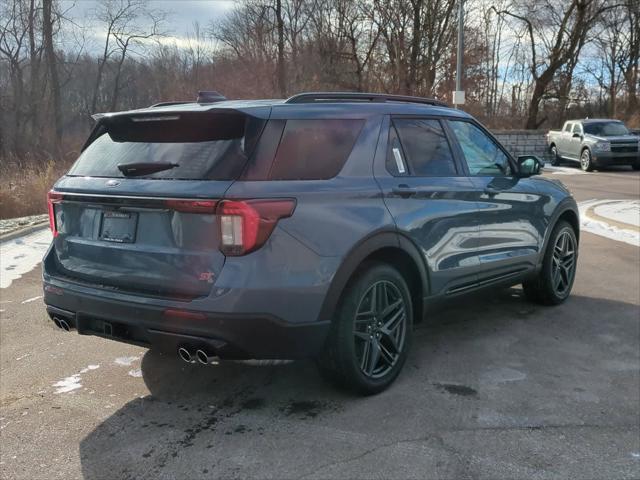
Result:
[{"x": 232, "y": 336}]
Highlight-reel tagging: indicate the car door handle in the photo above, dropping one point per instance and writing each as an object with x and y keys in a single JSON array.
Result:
[{"x": 405, "y": 191}]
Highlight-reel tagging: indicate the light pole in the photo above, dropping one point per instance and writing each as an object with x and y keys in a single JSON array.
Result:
[{"x": 458, "y": 95}]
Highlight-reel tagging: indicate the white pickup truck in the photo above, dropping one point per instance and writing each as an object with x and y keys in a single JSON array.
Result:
[{"x": 594, "y": 143}]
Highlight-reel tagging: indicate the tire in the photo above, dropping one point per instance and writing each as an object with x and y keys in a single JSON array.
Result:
[
  {"x": 555, "y": 158},
  {"x": 586, "y": 162},
  {"x": 545, "y": 288},
  {"x": 369, "y": 365}
]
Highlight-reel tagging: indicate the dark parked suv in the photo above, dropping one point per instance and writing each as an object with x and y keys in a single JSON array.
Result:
[{"x": 321, "y": 226}]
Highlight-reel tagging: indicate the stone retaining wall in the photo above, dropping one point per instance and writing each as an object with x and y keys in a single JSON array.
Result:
[{"x": 522, "y": 142}]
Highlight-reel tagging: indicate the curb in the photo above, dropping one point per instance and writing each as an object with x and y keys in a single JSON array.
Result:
[
  {"x": 23, "y": 231},
  {"x": 590, "y": 213}
]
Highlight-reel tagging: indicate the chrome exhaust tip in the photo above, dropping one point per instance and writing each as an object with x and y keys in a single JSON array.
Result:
[
  {"x": 206, "y": 359},
  {"x": 61, "y": 324},
  {"x": 185, "y": 355}
]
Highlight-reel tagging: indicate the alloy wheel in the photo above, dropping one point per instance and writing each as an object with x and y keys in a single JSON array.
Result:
[
  {"x": 585, "y": 160},
  {"x": 563, "y": 264},
  {"x": 380, "y": 329}
]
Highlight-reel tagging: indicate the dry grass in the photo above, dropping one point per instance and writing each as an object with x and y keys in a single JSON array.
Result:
[{"x": 24, "y": 186}]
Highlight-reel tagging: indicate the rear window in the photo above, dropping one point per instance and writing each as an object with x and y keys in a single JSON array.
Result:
[
  {"x": 206, "y": 146},
  {"x": 314, "y": 149},
  {"x": 425, "y": 146}
]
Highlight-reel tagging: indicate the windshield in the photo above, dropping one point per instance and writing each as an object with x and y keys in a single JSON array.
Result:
[
  {"x": 605, "y": 129},
  {"x": 205, "y": 147}
]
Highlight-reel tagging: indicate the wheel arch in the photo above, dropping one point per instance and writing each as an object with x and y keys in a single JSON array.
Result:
[
  {"x": 567, "y": 210},
  {"x": 389, "y": 247}
]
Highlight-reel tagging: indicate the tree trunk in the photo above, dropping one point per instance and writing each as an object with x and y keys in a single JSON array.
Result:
[
  {"x": 282, "y": 88},
  {"x": 50, "y": 54}
]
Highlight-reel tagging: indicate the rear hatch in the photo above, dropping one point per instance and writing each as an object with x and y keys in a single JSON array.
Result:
[{"x": 137, "y": 211}]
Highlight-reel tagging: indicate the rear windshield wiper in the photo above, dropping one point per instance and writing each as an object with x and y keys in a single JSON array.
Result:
[{"x": 144, "y": 168}]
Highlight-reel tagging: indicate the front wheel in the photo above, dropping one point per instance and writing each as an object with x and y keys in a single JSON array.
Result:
[
  {"x": 553, "y": 284},
  {"x": 586, "y": 162},
  {"x": 371, "y": 334},
  {"x": 555, "y": 157}
]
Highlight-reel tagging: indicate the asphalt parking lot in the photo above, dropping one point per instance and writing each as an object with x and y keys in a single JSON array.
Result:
[{"x": 495, "y": 387}]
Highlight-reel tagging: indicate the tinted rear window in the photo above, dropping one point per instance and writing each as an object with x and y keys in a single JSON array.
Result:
[
  {"x": 425, "y": 146},
  {"x": 314, "y": 149},
  {"x": 205, "y": 146}
]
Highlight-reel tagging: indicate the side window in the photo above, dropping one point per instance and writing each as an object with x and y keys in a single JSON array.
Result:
[
  {"x": 314, "y": 149},
  {"x": 577, "y": 128},
  {"x": 482, "y": 154},
  {"x": 568, "y": 126},
  {"x": 420, "y": 148}
]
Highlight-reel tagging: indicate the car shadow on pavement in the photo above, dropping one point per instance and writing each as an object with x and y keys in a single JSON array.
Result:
[{"x": 496, "y": 361}]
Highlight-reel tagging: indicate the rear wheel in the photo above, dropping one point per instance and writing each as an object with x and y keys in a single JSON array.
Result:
[
  {"x": 555, "y": 158},
  {"x": 586, "y": 162},
  {"x": 371, "y": 333},
  {"x": 553, "y": 284}
]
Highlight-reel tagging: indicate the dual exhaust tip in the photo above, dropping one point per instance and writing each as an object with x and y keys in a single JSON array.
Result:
[
  {"x": 61, "y": 324},
  {"x": 190, "y": 356}
]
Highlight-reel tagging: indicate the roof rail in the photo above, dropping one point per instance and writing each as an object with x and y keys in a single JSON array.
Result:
[{"x": 312, "y": 97}]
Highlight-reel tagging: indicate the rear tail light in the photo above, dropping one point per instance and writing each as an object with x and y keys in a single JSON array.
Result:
[
  {"x": 52, "y": 199},
  {"x": 246, "y": 225},
  {"x": 192, "y": 206}
]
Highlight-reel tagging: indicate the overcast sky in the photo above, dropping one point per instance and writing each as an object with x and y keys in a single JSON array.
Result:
[{"x": 181, "y": 14}]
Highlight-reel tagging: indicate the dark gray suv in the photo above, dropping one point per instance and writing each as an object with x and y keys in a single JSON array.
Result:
[{"x": 320, "y": 226}]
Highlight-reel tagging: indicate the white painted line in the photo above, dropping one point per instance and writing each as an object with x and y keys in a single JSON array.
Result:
[{"x": 29, "y": 300}]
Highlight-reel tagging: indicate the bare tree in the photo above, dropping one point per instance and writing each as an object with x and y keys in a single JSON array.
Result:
[
  {"x": 561, "y": 28},
  {"x": 130, "y": 24}
]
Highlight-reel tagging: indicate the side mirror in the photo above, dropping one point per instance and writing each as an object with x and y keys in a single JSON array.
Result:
[
  {"x": 577, "y": 135},
  {"x": 529, "y": 165}
]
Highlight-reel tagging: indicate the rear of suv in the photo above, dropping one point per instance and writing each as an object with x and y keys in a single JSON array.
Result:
[{"x": 320, "y": 226}]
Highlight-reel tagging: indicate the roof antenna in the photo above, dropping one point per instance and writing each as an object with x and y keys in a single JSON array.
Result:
[{"x": 210, "y": 96}]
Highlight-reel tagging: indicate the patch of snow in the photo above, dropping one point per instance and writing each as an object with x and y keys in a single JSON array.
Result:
[
  {"x": 563, "y": 170},
  {"x": 125, "y": 361},
  {"x": 29, "y": 300},
  {"x": 68, "y": 384},
  {"x": 90, "y": 367},
  {"x": 72, "y": 383},
  {"x": 136, "y": 373},
  {"x": 603, "y": 229},
  {"x": 21, "y": 255}
]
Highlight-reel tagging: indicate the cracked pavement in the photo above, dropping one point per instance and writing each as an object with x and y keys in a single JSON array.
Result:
[{"x": 495, "y": 388}]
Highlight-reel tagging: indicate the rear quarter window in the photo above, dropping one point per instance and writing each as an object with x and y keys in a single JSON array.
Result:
[{"x": 314, "y": 149}]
